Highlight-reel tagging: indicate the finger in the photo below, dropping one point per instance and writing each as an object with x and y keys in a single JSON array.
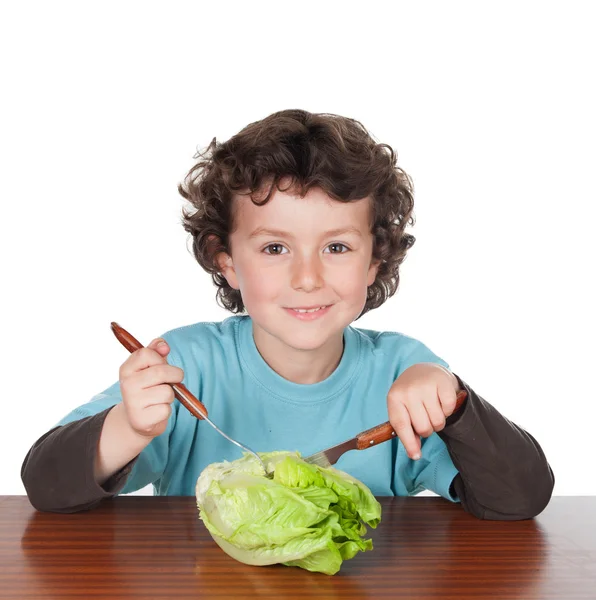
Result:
[
  {"x": 156, "y": 375},
  {"x": 139, "y": 360},
  {"x": 159, "y": 345},
  {"x": 434, "y": 411},
  {"x": 400, "y": 421},
  {"x": 158, "y": 413},
  {"x": 160, "y": 394},
  {"x": 419, "y": 417},
  {"x": 148, "y": 420},
  {"x": 447, "y": 397}
]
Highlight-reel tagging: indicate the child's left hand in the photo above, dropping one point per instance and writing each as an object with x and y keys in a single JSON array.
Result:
[{"x": 419, "y": 401}]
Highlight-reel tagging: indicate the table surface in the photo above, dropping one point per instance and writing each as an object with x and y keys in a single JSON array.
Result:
[{"x": 425, "y": 547}]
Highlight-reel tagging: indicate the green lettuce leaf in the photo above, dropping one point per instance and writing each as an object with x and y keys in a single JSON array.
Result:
[{"x": 306, "y": 516}]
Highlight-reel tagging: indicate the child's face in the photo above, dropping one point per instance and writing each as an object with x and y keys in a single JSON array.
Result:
[{"x": 301, "y": 253}]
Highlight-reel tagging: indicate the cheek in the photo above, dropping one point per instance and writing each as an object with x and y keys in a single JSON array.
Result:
[
  {"x": 256, "y": 283},
  {"x": 351, "y": 281}
]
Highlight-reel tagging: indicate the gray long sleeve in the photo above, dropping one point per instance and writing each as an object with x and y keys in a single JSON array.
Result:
[
  {"x": 58, "y": 471},
  {"x": 503, "y": 472}
]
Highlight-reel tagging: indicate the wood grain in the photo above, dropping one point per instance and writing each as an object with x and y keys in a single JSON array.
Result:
[{"x": 145, "y": 547}]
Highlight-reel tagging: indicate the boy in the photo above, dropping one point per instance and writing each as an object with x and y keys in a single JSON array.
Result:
[{"x": 300, "y": 218}]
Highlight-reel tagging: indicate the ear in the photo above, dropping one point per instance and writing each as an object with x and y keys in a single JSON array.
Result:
[
  {"x": 373, "y": 269},
  {"x": 226, "y": 267},
  {"x": 224, "y": 262}
]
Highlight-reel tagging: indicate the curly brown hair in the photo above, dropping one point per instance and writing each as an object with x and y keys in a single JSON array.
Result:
[{"x": 331, "y": 152}]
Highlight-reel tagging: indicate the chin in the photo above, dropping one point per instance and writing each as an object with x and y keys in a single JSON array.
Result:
[
  {"x": 299, "y": 339},
  {"x": 305, "y": 343},
  {"x": 308, "y": 338}
]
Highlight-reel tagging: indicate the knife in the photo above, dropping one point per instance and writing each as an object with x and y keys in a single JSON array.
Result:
[{"x": 366, "y": 439}]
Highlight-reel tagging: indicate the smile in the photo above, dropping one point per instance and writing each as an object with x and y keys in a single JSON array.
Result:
[
  {"x": 308, "y": 310},
  {"x": 309, "y": 313}
]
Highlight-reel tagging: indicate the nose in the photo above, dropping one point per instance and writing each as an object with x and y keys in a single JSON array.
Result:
[{"x": 307, "y": 274}]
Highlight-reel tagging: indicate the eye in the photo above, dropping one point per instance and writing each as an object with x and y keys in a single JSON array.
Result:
[
  {"x": 337, "y": 248},
  {"x": 274, "y": 249}
]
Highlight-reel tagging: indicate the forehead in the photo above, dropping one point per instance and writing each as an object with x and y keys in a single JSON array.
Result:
[{"x": 288, "y": 211}]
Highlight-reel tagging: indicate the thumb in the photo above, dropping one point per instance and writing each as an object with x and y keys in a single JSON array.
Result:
[{"x": 160, "y": 346}]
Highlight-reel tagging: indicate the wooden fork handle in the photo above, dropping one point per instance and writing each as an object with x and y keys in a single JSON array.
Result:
[
  {"x": 186, "y": 398},
  {"x": 384, "y": 432}
]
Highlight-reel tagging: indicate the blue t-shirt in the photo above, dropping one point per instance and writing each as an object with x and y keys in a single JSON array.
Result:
[{"x": 253, "y": 404}]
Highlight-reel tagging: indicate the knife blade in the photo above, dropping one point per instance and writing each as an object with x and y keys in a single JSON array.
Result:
[{"x": 367, "y": 439}]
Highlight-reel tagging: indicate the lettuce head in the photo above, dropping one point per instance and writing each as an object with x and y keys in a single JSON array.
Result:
[{"x": 305, "y": 516}]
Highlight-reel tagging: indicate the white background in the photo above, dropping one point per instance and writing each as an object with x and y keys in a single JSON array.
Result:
[{"x": 490, "y": 106}]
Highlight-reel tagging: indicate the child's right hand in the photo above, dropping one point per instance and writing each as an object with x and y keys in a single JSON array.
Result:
[{"x": 146, "y": 395}]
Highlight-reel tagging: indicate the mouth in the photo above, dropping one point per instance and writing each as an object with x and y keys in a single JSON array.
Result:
[
  {"x": 309, "y": 313},
  {"x": 310, "y": 309}
]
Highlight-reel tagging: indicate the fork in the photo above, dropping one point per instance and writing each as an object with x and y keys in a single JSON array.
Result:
[{"x": 186, "y": 398}]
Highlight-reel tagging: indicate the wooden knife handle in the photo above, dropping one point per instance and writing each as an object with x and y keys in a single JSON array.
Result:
[
  {"x": 185, "y": 397},
  {"x": 382, "y": 433}
]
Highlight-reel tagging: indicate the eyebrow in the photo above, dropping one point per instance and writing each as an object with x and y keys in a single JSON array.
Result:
[{"x": 259, "y": 231}]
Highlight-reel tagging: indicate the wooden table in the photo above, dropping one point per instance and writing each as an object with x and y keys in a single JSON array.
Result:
[{"x": 426, "y": 547}]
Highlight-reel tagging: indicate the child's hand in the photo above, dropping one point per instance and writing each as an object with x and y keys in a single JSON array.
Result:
[
  {"x": 145, "y": 394},
  {"x": 419, "y": 401}
]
